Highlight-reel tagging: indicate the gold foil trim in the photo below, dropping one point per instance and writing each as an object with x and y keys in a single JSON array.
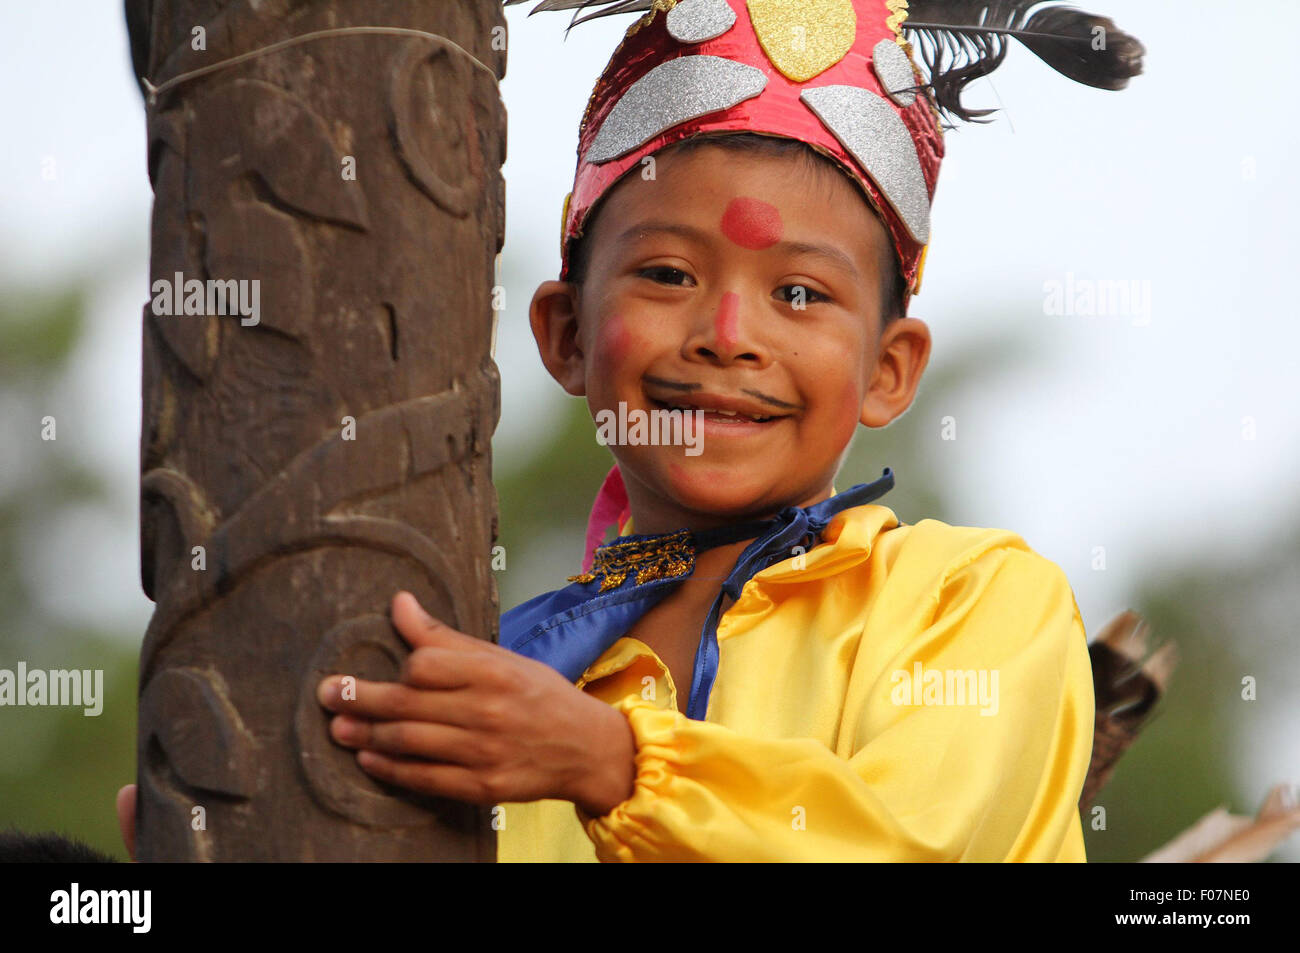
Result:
[
  {"x": 897, "y": 14},
  {"x": 564, "y": 224},
  {"x": 920, "y": 270},
  {"x": 659, "y": 6},
  {"x": 805, "y": 38}
]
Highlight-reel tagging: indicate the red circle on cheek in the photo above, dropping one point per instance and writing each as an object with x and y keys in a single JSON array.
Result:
[
  {"x": 751, "y": 223},
  {"x": 615, "y": 340}
]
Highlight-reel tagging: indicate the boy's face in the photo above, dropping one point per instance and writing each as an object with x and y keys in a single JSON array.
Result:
[{"x": 740, "y": 282}]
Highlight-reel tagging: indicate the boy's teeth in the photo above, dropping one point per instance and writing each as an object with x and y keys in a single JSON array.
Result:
[{"x": 725, "y": 413}]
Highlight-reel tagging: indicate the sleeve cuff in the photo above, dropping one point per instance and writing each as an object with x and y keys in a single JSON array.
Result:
[{"x": 630, "y": 827}]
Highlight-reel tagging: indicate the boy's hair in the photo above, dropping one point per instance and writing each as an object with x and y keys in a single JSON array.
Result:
[{"x": 892, "y": 287}]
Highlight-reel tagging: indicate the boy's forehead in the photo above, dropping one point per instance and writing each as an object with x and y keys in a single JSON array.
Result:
[
  {"x": 707, "y": 179},
  {"x": 744, "y": 196}
]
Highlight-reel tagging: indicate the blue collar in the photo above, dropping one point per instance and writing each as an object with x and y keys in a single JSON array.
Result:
[{"x": 570, "y": 628}]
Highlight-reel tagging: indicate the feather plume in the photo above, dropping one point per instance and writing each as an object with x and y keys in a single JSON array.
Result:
[
  {"x": 1128, "y": 679},
  {"x": 962, "y": 40}
]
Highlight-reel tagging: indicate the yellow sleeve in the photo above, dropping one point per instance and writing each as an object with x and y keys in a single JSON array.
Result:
[{"x": 917, "y": 782}]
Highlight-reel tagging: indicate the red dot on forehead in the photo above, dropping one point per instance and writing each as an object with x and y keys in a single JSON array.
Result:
[{"x": 751, "y": 223}]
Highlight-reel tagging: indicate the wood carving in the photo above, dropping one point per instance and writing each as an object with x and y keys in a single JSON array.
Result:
[{"x": 304, "y": 460}]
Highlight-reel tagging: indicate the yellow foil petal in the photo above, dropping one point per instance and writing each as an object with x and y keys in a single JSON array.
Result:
[{"x": 804, "y": 37}]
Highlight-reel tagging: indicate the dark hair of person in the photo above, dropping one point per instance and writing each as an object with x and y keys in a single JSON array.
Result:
[{"x": 20, "y": 847}]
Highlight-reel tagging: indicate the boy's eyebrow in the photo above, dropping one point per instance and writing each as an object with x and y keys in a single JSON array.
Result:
[{"x": 828, "y": 252}]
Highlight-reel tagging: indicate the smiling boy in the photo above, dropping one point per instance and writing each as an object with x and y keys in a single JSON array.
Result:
[{"x": 759, "y": 667}]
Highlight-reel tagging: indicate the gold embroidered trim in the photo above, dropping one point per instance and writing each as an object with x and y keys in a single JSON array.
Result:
[{"x": 661, "y": 557}]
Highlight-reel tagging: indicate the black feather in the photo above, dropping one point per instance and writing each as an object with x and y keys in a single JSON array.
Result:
[{"x": 962, "y": 40}]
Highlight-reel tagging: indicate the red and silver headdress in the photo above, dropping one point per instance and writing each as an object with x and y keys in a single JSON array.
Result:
[{"x": 838, "y": 75}]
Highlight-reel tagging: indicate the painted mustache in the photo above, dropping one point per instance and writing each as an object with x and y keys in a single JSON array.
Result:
[{"x": 695, "y": 387}]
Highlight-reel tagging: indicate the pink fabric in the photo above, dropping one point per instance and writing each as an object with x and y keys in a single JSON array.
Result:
[{"x": 610, "y": 508}]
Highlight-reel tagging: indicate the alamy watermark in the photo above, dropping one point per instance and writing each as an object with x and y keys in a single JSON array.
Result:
[
  {"x": 179, "y": 295},
  {"x": 130, "y": 907},
  {"x": 946, "y": 686},
  {"x": 56, "y": 687},
  {"x": 653, "y": 428},
  {"x": 1102, "y": 297}
]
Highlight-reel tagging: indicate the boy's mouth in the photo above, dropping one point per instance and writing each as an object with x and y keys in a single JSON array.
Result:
[{"x": 724, "y": 410}]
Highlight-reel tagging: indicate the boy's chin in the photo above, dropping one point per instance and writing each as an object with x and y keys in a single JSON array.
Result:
[{"x": 721, "y": 489}]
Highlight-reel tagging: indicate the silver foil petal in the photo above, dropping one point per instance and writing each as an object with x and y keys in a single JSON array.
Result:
[
  {"x": 694, "y": 21},
  {"x": 672, "y": 93},
  {"x": 868, "y": 127},
  {"x": 894, "y": 70}
]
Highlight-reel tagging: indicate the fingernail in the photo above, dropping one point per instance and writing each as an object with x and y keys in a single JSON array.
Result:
[
  {"x": 345, "y": 729},
  {"x": 328, "y": 691}
]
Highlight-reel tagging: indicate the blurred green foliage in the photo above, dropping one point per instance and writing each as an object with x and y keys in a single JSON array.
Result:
[{"x": 59, "y": 769}]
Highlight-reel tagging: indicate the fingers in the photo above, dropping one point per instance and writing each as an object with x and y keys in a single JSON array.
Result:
[
  {"x": 392, "y": 701},
  {"x": 126, "y": 817},
  {"x": 436, "y": 668},
  {"x": 410, "y": 739},
  {"x": 440, "y": 780}
]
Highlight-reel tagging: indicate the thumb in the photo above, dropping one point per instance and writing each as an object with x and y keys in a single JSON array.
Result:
[
  {"x": 417, "y": 626},
  {"x": 126, "y": 817}
]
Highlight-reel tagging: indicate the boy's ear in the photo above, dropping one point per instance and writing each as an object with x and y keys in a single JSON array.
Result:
[
  {"x": 901, "y": 357},
  {"x": 553, "y": 315}
]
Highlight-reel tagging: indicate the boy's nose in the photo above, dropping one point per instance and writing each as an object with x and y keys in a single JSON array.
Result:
[{"x": 724, "y": 335}]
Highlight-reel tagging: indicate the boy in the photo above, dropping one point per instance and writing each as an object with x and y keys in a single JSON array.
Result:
[
  {"x": 760, "y": 668},
  {"x": 855, "y": 688}
]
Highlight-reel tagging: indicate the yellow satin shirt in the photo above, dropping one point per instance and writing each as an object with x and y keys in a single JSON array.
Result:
[{"x": 898, "y": 693}]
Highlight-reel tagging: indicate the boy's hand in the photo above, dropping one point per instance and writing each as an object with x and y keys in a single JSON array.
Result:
[{"x": 472, "y": 721}]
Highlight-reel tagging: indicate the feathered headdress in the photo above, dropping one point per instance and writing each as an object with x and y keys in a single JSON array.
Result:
[{"x": 838, "y": 75}]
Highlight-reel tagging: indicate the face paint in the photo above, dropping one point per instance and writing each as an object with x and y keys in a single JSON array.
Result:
[
  {"x": 727, "y": 318},
  {"x": 615, "y": 340},
  {"x": 751, "y": 223}
]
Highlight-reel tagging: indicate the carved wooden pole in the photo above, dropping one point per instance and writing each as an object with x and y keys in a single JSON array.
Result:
[{"x": 319, "y": 400}]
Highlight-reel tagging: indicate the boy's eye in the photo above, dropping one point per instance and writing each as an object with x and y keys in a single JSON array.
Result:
[
  {"x": 664, "y": 274},
  {"x": 800, "y": 294}
]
